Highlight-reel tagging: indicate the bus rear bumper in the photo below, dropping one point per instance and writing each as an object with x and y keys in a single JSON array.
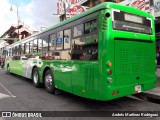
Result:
[{"x": 122, "y": 91}]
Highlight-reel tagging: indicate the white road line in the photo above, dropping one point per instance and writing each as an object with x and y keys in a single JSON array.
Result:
[{"x": 7, "y": 90}]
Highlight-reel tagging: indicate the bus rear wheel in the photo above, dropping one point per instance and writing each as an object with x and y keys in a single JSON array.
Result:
[
  {"x": 49, "y": 81},
  {"x": 35, "y": 77}
]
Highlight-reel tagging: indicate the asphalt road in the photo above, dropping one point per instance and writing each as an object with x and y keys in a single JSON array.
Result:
[{"x": 18, "y": 94}]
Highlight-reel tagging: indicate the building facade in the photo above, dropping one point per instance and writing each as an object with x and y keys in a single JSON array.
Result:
[
  {"x": 61, "y": 7},
  {"x": 15, "y": 33}
]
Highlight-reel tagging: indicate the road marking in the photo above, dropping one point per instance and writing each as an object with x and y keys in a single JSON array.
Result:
[
  {"x": 7, "y": 90},
  {"x": 4, "y": 96}
]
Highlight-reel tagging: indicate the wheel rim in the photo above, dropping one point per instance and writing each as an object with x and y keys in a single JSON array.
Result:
[
  {"x": 35, "y": 77},
  {"x": 48, "y": 80}
]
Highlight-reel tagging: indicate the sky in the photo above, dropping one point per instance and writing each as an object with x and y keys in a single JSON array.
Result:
[{"x": 33, "y": 13}]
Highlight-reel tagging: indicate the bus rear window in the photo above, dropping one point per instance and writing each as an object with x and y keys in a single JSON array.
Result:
[{"x": 131, "y": 23}]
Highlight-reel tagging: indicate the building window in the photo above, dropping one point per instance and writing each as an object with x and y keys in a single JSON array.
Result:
[{"x": 23, "y": 49}]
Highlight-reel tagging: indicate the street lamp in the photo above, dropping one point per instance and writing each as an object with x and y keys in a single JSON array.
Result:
[{"x": 11, "y": 9}]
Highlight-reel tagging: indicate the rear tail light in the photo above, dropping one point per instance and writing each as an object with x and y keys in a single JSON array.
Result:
[
  {"x": 117, "y": 92},
  {"x": 113, "y": 92},
  {"x": 109, "y": 71},
  {"x": 110, "y": 64}
]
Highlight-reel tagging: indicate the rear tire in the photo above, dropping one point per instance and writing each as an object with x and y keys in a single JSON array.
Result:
[
  {"x": 35, "y": 77},
  {"x": 49, "y": 82}
]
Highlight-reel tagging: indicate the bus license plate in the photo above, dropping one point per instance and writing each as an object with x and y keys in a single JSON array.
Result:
[{"x": 138, "y": 88}]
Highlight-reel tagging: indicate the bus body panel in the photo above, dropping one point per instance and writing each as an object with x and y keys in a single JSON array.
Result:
[
  {"x": 16, "y": 67},
  {"x": 77, "y": 77}
]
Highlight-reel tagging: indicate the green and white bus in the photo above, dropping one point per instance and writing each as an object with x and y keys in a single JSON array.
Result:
[{"x": 104, "y": 53}]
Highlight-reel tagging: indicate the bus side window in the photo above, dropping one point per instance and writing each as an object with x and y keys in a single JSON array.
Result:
[
  {"x": 35, "y": 47},
  {"x": 40, "y": 45},
  {"x": 78, "y": 30},
  {"x": 77, "y": 52},
  {"x": 52, "y": 39},
  {"x": 31, "y": 47},
  {"x": 59, "y": 40},
  {"x": 67, "y": 39},
  {"x": 19, "y": 50},
  {"x": 90, "y": 26},
  {"x": 90, "y": 47},
  {"x": 27, "y": 48}
]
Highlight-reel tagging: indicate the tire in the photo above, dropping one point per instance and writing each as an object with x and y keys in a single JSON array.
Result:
[
  {"x": 35, "y": 77},
  {"x": 8, "y": 69},
  {"x": 49, "y": 82}
]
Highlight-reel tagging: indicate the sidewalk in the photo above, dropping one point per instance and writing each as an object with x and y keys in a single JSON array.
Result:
[{"x": 154, "y": 93}]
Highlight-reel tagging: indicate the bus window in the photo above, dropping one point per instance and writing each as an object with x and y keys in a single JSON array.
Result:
[
  {"x": 16, "y": 50},
  {"x": 67, "y": 38},
  {"x": 19, "y": 50},
  {"x": 59, "y": 40},
  {"x": 27, "y": 48},
  {"x": 23, "y": 49},
  {"x": 90, "y": 26},
  {"x": 45, "y": 44},
  {"x": 52, "y": 39},
  {"x": 31, "y": 47},
  {"x": 77, "y": 52},
  {"x": 35, "y": 46},
  {"x": 39, "y": 44},
  {"x": 78, "y": 30},
  {"x": 10, "y": 51}
]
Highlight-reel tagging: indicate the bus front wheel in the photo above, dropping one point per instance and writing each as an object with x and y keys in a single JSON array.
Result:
[
  {"x": 49, "y": 81},
  {"x": 35, "y": 77}
]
